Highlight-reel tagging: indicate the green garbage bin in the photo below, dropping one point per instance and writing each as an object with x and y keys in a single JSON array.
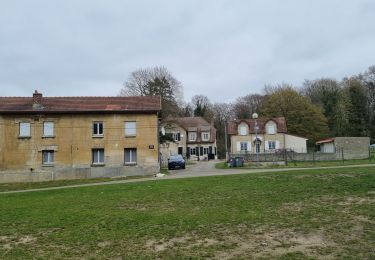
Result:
[
  {"x": 232, "y": 162},
  {"x": 239, "y": 161}
]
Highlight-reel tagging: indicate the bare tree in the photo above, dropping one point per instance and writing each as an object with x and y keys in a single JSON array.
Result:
[
  {"x": 156, "y": 81},
  {"x": 245, "y": 106}
]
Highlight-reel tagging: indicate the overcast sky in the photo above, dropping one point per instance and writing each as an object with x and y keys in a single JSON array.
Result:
[{"x": 222, "y": 49}]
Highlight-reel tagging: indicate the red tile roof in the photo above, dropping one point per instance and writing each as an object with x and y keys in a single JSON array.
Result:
[
  {"x": 324, "y": 141},
  {"x": 280, "y": 122},
  {"x": 9, "y": 105}
]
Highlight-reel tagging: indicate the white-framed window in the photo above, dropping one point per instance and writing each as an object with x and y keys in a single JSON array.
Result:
[
  {"x": 271, "y": 130},
  {"x": 243, "y": 130},
  {"x": 192, "y": 136},
  {"x": 205, "y": 150},
  {"x": 176, "y": 137},
  {"x": 97, "y": 128},
  {"x": 205, "y": 136},
  {"x": 97, "y": 156},
  {"x": 130, "y": 128},
  {"x": 25, "y": 129},
  {"x": 271, "y": 145},
  {"x": 130, "y": 156},
  {"x": 192, "y": 150},
  {"x": 48, "y": 129},
  {"x": 48, "y": 157},
  {"x": 244, "y": 146}
]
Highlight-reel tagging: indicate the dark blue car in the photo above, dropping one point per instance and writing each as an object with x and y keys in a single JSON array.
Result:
[{"x": 176, "y": 161}]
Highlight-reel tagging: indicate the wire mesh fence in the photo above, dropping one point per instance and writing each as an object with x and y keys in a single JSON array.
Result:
[{"x": 312, "y": 156}]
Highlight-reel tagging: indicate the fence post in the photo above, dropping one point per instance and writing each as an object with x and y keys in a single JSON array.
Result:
[
  {"x": 369, "y": 154},
  {"x": 286, "y": 157},
  {"x": 313, "y": 157}
]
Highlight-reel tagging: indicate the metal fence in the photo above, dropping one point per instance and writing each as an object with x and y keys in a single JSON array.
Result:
[{"x": 292, "y": 156}]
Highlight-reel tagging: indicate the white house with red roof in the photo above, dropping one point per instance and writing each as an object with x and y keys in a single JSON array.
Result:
[{"x": 263, "y": 135}]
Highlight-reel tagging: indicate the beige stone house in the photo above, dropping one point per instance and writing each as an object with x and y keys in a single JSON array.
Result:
[
  {"x": 271, "y": 136},
  {"x": 194, "y": 136},
  {"x": 49, "y": 138}
]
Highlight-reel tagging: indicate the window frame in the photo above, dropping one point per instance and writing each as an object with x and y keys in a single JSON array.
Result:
[
  {"x": 244, "y": 145},
  {"x": 98, "y": 124},
  {"x": 195, "y": 136},
  {"x": 48, "y": 162},
  {"x": 44, "y": 129},
  {"x": 93, "y": 151},
  {"x": 132, "y": 151},
  {"x": 243, "y": 130},
  {"x": 208, "y": 136},
  {"x": 191, "y": 149},
  {"x": 273, "y": 127},
  {"x": 127, "y": 134},
  {"x": 274, "y": 145},
  {"x": 20, "y": 130}
]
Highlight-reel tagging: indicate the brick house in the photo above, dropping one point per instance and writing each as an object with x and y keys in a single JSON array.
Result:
[{"x": 50, "y": 138}]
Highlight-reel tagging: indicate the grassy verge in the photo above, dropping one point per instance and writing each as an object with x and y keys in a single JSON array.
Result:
[
  {"x": 291, "y": 164},
  {"x": 59, "y": 183},
  {"x": 307, "y": 214}
]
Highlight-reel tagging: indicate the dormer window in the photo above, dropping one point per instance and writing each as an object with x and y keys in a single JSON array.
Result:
[
  {"x": 271, "y": 128},
  {"x": 242, "y": 129},
  {"x": 205, "y": 136},
  {"x": 192, "y": 136}
]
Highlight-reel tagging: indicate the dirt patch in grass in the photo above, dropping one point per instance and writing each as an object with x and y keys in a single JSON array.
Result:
[
  {"x": 9, "y": 242},
  {"x": 356, "y": 201},
  {"x": 259, "y": 242}
]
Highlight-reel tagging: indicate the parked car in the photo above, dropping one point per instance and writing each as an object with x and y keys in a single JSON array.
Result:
[{"x": 176, "y": 161}]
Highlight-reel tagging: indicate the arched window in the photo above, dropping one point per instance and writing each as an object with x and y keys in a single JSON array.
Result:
[{"x": 242, "y": 129}]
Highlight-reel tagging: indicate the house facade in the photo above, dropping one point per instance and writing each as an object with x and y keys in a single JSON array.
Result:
[
  {"x": 51, "y": 138},
  {"x": 264, "y": 135},
  {"x": 194, "y": 136}
]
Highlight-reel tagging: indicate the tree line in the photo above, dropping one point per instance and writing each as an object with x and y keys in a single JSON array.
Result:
[{"x": 320, "y": 108}]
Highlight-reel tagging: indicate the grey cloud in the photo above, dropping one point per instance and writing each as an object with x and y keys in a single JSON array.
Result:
[{"x": 222, "y": 49}]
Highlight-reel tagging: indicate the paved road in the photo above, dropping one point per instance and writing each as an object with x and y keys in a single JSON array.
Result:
[{"x": 197, "y": 170}]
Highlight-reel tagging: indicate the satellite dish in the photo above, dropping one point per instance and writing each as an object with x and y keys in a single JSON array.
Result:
[{"x": 162, "y": 130}]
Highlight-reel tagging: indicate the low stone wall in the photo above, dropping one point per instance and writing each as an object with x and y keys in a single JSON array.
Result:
[{"x": 66, "y": 173}]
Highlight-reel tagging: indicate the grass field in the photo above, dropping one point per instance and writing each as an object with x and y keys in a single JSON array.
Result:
[{"x": 307, "y": 214}]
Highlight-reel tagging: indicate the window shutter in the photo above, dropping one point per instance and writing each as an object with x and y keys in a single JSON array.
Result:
[
  {"x": 277, "y": 145},
  {"x": 266, "y": 146},
  {"x": 201, "y": 150},
  {"x": 249, "y": 146},
  {"x": 238, "y": 146},
  {"x": 178, "y": 137},
  {"x": 210, "y": 149}
]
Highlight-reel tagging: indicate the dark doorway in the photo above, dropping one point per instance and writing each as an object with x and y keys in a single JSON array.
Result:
[{"x": 180, "y": 150}]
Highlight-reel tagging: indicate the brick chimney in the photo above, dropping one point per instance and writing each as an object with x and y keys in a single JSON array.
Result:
[{"x": 37, "y": 100}]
